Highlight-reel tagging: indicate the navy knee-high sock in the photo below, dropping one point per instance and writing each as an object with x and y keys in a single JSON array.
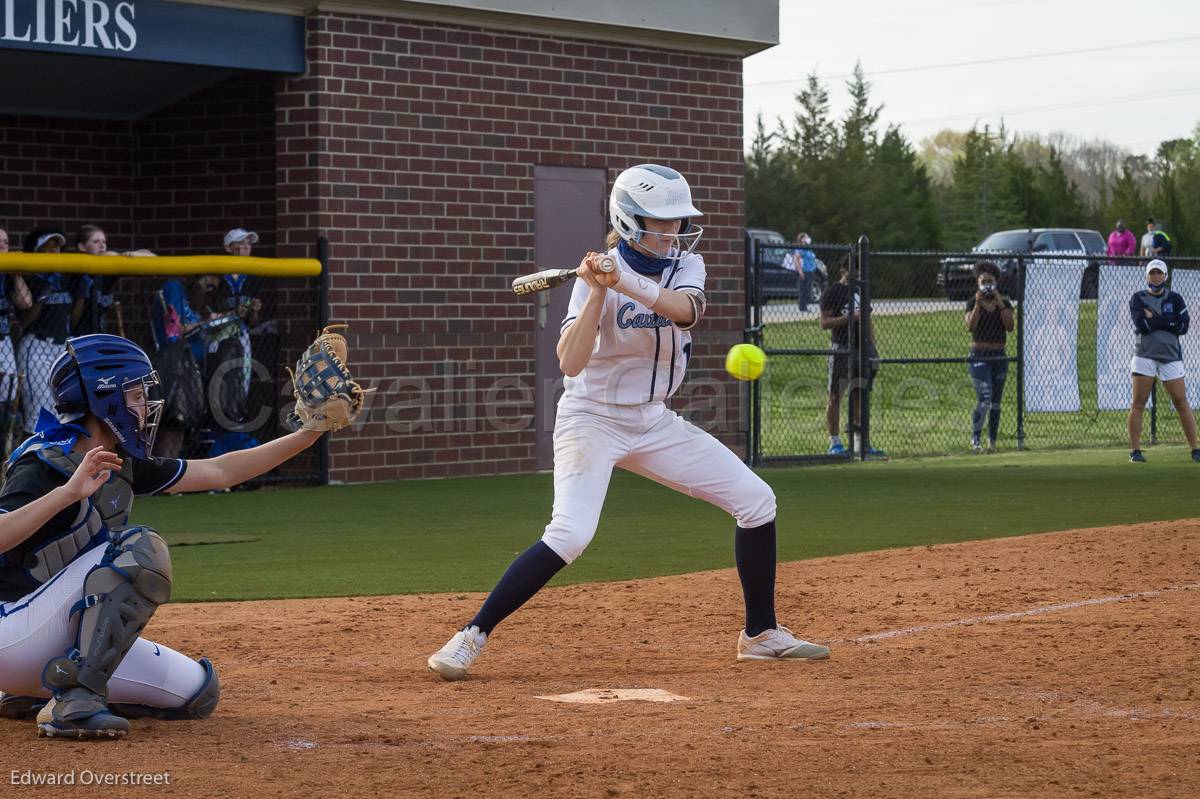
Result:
[
  {"x": 754, "y": 550},
  {"x": 525, "y": 576}
]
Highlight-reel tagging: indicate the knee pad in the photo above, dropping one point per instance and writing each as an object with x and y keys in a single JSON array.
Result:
[
  {"x": 121, "y": 593},
  {"x": 200, "y": 706}
]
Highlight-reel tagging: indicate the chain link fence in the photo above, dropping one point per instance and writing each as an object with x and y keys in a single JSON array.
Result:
[
  {"x": 220, "y": 345},
  {"x": 1062, "y": 377}
]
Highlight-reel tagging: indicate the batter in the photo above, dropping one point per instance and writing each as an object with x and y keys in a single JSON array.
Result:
[{"x": 624, "y": 347}]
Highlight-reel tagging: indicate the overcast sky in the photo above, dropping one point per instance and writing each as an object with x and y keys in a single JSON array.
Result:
[{"x": 1139, "y": 82}]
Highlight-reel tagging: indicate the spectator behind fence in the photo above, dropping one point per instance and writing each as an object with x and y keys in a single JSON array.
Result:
[
  {"x": 989, "y": 320},
  {"x": 804, "y": 264},
  {"x": 230, "y": 304},
  {"x": 839, "y": 306},
  {"x": 14, "y": 294},
  {"x": 1160, "y": 318},
  {"x": 1122, "y": 241},
  {"x": 45, "y": 325},
  {"x": 1147, "y": 244},
  {"x": 1160, "y": 243},
  {"x": 98, "y": 289},
  {"x": 180, "y": 350}
]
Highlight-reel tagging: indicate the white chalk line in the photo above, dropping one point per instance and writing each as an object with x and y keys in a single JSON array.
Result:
[{"x": 1017, "y": 614}]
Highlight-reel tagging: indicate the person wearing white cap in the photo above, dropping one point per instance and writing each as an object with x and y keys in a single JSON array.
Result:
[
  {"x": 235, "y": 296},
  {"x": 1160, "y": 317},
  {"x": 45, "y": 325},
  {"x": 239, "y": 241}
]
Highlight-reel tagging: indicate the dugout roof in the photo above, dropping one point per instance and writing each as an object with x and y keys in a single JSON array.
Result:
[{"x": 124, "y": 59}]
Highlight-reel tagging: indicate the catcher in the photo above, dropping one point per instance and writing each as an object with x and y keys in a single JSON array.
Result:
[{"x": 78, "y": 582}]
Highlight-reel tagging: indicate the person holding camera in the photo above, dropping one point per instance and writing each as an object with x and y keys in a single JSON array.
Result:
[{"x": 989, "y": 319}]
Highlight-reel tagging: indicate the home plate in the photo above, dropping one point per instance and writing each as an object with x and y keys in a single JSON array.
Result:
[{"x": 601, "y": 696}]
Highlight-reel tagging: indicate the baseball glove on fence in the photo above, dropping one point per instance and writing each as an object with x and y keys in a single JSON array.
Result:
[{"x": 327, "y": 397}]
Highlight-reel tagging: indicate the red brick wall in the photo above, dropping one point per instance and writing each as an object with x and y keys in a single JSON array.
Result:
[
  {"x": 65, "y": 172},
  {"x": 173, "y": 182},
  {"x": 206, "y": 165},
  {"x": 413, "y": 145}
]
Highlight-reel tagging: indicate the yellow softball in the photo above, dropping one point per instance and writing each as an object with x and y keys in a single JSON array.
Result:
[{"x": 745, "y": 362}]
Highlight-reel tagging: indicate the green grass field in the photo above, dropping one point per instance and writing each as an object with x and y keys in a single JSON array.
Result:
[
  {"x": 923, "y": 409},
  {"x": 459, "y": 535}
]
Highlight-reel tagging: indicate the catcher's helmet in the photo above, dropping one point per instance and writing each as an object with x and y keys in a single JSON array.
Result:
[
  {"x": 109, "y": 377},
  {"x": 656, "y": 192}
]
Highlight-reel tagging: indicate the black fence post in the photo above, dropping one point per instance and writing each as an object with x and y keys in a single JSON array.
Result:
[
  {"x": 756, "y": 337},
  {"x": 323, "y": 319},
  {"x": 748, "y": 322},
  {"x": 864, "y": 340},
  {"x": 1020, "y": 353},
  {"x": 853, "y": 358}
]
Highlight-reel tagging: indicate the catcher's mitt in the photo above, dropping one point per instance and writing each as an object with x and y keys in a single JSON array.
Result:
[{"x": 327, "y": 397}]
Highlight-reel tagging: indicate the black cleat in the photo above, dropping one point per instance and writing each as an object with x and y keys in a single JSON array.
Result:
[
  {"x": 1137, "y": 457},
  {"x": 94, "y": 728},
  {"x": 102, "y": 725}
]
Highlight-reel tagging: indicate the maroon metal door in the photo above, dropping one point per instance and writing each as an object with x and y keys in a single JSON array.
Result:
[{"x": 568, "y": 220}]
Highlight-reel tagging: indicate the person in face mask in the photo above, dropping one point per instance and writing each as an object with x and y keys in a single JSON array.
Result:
[
  {"x": 1160, "y": 317},
  {"x": 1122, "y": 241}
]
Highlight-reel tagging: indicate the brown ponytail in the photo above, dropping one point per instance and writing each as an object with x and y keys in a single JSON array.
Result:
[{"x": 612, "y": 239}]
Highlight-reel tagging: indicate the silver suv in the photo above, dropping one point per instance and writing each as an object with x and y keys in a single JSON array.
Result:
[{"x": 956, "y": 278}]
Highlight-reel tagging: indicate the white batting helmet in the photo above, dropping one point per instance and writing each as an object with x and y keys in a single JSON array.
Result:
[{"x": 656, "y": 192}]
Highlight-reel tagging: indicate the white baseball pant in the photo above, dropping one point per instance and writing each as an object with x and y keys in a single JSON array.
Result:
[
  {"x": 38, "y": 627},
  {"x": 591, "y": 438}
]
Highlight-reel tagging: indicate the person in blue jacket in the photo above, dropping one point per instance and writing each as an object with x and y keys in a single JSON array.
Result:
[{"x": 1160, "y": 317}]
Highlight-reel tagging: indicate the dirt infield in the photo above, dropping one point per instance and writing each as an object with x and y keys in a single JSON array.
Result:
[{"x": 1095, "y": 696}]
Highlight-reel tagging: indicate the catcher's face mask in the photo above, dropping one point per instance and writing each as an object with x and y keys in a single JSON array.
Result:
[{"x": 146, "y": 411}]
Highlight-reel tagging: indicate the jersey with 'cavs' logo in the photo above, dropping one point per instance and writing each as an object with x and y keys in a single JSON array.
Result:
[{"x": 638, "y": 356}]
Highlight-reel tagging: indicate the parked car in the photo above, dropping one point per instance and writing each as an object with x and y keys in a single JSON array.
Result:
[
  {"x": 956, "y": 278},
  {"x": 776, "y": 282}
]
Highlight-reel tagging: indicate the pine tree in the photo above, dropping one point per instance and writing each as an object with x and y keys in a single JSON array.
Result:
[
  {"x": 906, "y": 213},
  {"x": 1175, "y": 165},
  {"x": 758, "y": 176},
  {"x": 1023, "y": 185},
  {"x": 854, "y": 191},
  {"x": 980, "y": 200},
  {"x": 1126, "y": 201},
  {"x": 1058, "y": 195},
  {"x": 813, "y": 135}
]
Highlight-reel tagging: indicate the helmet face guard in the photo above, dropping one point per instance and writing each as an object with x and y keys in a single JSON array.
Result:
[
  {"x": 682, "y": 243},
  {"x": 147, "y": 412}
]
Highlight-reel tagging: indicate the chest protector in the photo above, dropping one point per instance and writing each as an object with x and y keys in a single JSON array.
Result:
[{"x": 108, "y": 509}]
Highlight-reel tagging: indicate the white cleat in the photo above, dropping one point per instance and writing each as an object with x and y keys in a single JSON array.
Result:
[
  {"x": 776, "y": 644},
  {"x": 452, "y": 660}
]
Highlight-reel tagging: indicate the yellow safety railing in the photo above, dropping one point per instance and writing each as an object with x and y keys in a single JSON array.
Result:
[{"x": 79, "y": 263}]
